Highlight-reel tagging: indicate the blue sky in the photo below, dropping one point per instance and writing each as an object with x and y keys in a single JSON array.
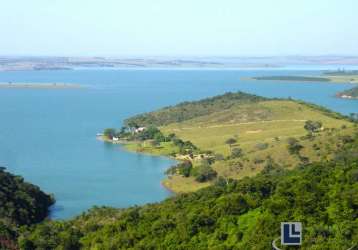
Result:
[{"x": 178, "y": 27}]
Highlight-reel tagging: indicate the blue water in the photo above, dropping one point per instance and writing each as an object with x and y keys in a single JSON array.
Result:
[{"x": 48, "y": 136}]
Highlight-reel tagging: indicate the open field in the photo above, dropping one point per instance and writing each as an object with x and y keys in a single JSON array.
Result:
[
  {"x": 268, "y": 124},
  {"x": 252, "y": 124},
  {"x": 261, "y": 129}
]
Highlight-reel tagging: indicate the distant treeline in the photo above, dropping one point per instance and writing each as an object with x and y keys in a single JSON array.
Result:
[
  {"x": 189, "y": 110},
  {"x": 292, "y": 78}
]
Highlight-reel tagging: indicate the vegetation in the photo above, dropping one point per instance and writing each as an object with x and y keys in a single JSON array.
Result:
[
  {"x": 313, "y": 126},
  {"x": 339, "y": 76},
  {"x": 211, "y": 134},
  {"x": 292, "y": 162},
  {"x": 232, "y": 214},
  {"x": 264, "y": 128},
  {"x": 21, "y": 203},
  {"x": 189, "y": 110}
]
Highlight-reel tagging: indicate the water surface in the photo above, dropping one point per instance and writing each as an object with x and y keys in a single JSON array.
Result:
[{"x": 48, "y": 135}]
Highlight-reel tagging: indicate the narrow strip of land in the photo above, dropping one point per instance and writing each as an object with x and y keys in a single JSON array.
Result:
[{"x": 10, "y": 85}]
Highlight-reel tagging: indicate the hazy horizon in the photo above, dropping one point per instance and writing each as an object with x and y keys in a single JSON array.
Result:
[{"x": 183, "y": 28}]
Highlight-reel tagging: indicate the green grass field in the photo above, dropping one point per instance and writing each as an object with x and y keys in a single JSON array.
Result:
[
  {"x": 270, "y": 122},
  {"x": 266, "y": 122}
]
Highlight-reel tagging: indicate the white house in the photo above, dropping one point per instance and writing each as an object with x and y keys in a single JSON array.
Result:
[
  {"x": 115, "y": 139},
  {"x": 140, "y": 129}
]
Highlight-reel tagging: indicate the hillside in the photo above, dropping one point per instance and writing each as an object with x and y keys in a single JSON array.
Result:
[
  {"x": 244, "y": 214},
  {"x": 261, "y": 130},
  {"x": 189, "y": 110},
  {"x": 21, "y": 203},
  {"x": 349, "y": 94}
]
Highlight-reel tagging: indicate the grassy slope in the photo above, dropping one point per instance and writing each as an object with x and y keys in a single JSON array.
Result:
[
  {"x": 262, "y": 121},
  {"x": 189, "y": 110},
  {"x": 251, "y": 125}
]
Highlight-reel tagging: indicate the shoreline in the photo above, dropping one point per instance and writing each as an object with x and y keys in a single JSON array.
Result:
[
  {"x": 123, "y": 143},
  {"x": 10, "y": 85}
]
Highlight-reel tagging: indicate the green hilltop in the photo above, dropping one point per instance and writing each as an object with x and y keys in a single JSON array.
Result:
[
  {"x": 261, "y": 130},
  {"x": 189, "y": 110}
]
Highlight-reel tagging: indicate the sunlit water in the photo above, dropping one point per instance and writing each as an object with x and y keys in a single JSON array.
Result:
[{"x": 48, "y": 135}]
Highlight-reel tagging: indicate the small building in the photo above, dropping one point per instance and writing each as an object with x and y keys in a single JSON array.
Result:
[
  {"x": 115, "y": 139},
  {"x": 140, "y": 129}
]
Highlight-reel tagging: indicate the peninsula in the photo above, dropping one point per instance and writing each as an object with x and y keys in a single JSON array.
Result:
[{"x": 232, "y": 136}]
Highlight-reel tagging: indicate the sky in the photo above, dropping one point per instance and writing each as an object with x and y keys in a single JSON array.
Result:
[{"x": 178, "y": 27}]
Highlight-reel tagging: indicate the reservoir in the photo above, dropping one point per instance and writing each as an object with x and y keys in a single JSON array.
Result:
[{"x": 49, "y": 135}]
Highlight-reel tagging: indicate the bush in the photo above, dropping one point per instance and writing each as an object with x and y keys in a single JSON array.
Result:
[
  {"x": 204, "y": 173},
  {"x": 294, "y": 147},
  {"x": 262, "y": 146},
  {"x": 236, "y": 153}
]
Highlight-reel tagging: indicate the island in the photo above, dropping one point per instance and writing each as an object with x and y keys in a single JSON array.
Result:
[
  {"x": 349, "y": 94},
  {"x": 338, "y": 76}
]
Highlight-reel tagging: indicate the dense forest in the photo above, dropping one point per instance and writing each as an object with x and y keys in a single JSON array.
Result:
[
  {"x": 234, "y": 214},
  {"x": 21, "y": 203}
]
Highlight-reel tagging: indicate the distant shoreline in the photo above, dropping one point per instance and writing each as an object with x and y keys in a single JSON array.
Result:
[
  {"x": 10, "y": 85},
  {"x": 321, "y": 79}
]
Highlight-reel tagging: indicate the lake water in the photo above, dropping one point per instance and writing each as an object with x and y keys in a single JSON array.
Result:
[{"x": 48, "y": 135}]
